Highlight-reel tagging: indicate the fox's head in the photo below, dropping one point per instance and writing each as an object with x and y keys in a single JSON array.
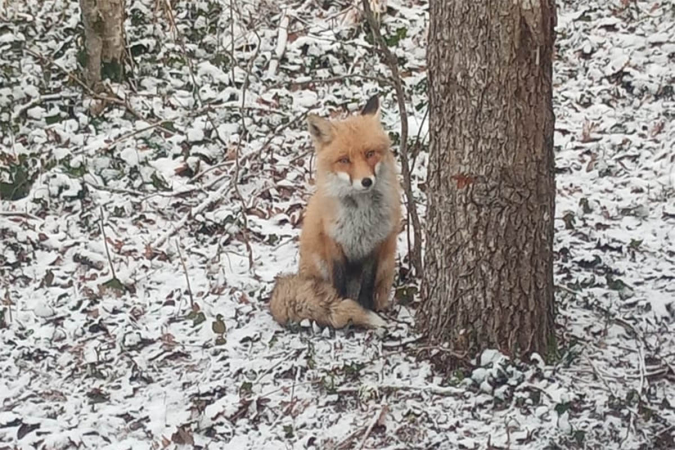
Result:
[{"x": 352, "y": 154}]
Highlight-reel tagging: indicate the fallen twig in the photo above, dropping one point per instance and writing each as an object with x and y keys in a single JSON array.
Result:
[
  {"x": 20, "y": 214},
  {"x": 402, "y": 343},
  {"x": 536, "y": 388},
  {"x": 215, "y": 167},
  {"x": 187, "y": 278},
  {"x": 642, "y": 369},
  {"x": 281, "y": 46},
  {"x": 105, "y": 243},
  {"x": 328, "y": 80},
  {"x": 291, "y": 354},
  {"x": 7, "y": 301},
  {"x": 447, "y": 351},
  {"x": 130, "y": 134},
  {"x": 146, "y": 196},
  {"x": 212, "y": 198},
  {"x": 438, "y": 390},
  {"x": 42, "y": 98},
  {"x": 377, "y": 418},
  {"x": 82, "y": 84},
  {"x": 599, "y": 376},
  {"x": 344, "y": 444}
]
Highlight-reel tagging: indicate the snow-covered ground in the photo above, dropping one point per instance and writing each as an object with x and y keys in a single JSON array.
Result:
[{"x": 104, "y": 344}]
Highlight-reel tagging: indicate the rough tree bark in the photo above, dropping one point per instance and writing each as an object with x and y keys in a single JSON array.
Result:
[
  {"x": 488, "y": 261},
  {"x": 103, "y": 22}
]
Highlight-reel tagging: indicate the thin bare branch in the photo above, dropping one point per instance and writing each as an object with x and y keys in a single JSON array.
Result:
[
  {"x": 23, "y": 215},
  {"x": 392, "y": 63},
  {"x": 328, "y": 80},
  {"x": 40, "y": 99},
  {"x": 214, "y": 197},
  {"x": 105, "y": 243},
  {"x": 276, "y": 133},
  {"x": 235, "y": 178},
  {"x": 187, "y": 278}
]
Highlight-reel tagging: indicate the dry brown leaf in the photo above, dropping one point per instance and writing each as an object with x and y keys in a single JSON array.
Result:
[
  {"x": 137, "y": 312},
  {"x": 591, "y": 164},
  {"x": 168, "y": 339},
  {"x": 231, "y": 154},
  {"x": 657, "y": 128},
  {"x": 183, "y": 436},
  {"x": 586, "y": 131},
  {"x": 182, "y": 170},
  {"x": 165, "y": 442}
]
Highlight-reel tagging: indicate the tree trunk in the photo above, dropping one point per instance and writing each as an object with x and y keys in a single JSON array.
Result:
[
  {"x": 489, "y": 256},
  {"x": 103, "y": 22}
]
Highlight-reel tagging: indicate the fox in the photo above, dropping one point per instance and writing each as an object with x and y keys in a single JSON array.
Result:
[{"x": 350, "y": 227}]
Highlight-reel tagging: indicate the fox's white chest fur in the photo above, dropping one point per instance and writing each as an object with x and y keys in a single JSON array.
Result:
[{"x": 363, "y": 221}]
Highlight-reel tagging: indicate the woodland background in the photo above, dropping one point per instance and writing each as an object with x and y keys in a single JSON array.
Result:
[{"x": 142, "y": 226}]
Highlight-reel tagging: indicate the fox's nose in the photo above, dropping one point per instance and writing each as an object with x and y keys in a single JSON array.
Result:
[{"x": 367, "y": 182}]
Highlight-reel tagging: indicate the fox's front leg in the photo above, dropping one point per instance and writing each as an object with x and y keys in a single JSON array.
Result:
[
  {"x": 339, "y": 276},
  {"x": 386, "y": 268},
  {"x": 368, "y": 281}
]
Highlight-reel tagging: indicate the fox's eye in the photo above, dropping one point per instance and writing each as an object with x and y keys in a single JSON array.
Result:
[
  {"x": 370, "y": 154},
  {"x": 343, "y": 160}
]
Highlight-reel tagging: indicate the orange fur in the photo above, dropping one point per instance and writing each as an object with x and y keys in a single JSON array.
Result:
[
  {"x": 353, "y": 137},
  {"x": 354, "y": 214}
]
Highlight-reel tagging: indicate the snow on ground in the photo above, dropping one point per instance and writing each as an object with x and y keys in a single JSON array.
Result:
[{"x": 104, "y": 344}]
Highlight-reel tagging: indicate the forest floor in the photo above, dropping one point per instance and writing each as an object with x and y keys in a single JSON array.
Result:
[{"x": 133, "y": 289}]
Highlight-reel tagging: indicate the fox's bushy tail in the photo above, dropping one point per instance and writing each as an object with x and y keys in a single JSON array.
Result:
[{"x": 296, "y": 298}]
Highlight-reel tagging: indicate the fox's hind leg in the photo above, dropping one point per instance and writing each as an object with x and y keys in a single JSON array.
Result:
[{"x": 368, "y": 277}]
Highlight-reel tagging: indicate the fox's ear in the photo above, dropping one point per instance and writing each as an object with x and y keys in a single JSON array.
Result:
[
  {"x": 372, "y": 107},
  {"x": 320, "y": 129}
]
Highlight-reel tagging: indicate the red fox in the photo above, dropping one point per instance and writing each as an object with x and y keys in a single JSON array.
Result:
[{"x": 350, "y": 228}]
